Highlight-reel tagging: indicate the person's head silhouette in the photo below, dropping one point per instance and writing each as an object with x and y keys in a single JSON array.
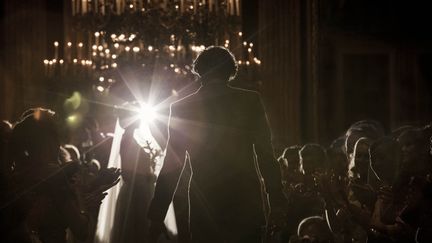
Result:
[{"x": 215, "y": 63}]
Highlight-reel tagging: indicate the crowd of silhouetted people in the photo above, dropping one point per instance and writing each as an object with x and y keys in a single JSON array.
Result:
[
  {"x": 49, "y": 192},
  {"x": 369, "y": 185}
]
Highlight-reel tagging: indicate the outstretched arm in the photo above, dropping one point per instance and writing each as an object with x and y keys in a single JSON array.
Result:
[{"x": 170, "y": 173}]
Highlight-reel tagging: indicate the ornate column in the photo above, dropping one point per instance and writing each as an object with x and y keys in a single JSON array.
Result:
[{"x": 288, "y": 40}]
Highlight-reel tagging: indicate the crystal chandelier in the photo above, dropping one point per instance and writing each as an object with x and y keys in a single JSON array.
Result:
[{"x": 109, "y": 34}]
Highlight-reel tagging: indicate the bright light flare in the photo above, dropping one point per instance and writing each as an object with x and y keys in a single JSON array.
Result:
[{"x": 147, "y": 114}]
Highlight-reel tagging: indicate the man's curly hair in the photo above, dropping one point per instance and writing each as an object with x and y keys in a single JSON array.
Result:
[{"x": 215, "y": 62}]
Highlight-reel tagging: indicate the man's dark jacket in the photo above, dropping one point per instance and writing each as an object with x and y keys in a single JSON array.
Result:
[{"x": 220, "y": 129}]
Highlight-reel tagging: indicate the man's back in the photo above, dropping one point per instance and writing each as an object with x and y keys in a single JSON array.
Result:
[
  {"x": 217, "y": 127},
  {"x": 223, "y": 131}
]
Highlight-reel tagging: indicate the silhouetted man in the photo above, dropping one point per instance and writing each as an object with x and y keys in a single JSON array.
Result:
[{"x": 224, "y": 133}]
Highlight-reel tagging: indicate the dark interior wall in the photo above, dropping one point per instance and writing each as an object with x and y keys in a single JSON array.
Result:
[
  {"x": 288, "y": 37},
  {"x": 3, "y": 85},
  {"x": 24, "y": 40},
  {"x": 387, "y": 19},
  {"x": 359, "y": 60},
  {"x": 365, "y": 81},
  {"x": 372, "y": 57},
  {"x": 279, "y": 34},
  {"x": 29, "y": 28}
]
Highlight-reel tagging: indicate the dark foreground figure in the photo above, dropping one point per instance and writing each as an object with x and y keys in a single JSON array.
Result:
[{"x": 219, "y": 129}]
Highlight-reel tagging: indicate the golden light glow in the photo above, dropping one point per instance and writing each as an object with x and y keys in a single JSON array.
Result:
[
  {"x": 100, "y": 88},
  {"x": 257, "y": 61},
  {"x": 71, "y": 119}
]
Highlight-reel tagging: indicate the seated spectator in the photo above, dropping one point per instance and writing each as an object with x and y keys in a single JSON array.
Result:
[
  {"x": 385, "y": 159},
  {"x": 360, "y": 193},
  {"x": 418, "y": 214},
  {"x": 415, "y": 155},
  {"x": 366, "y": 128},
  {"x": 45, "y": 203},
  {"x": 398, "y": 131},
  {"x": 45, "y": 200},
  {"x": 345, "y": 203},
  {"x": 313, "y": 229},
  {"x": 359, "y": 164},
  {"x": 73, "y": 151},
  {"x": 337, "y": 162},
  {"x": 305, "y": 198},
  {"x": 290, "y": 162},
  {"x": 312, "y": 159}
]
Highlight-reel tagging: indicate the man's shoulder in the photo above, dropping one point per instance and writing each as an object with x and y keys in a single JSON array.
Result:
[
  {"x": 247, "y": 94},
  {"x": 244, "y": 91},
  {"x": 195, "y": 97},
  {"x": 184, "y": 101}
]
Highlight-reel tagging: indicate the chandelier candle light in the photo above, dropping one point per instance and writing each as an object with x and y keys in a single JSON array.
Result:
[{"x": 150, "y": 31}]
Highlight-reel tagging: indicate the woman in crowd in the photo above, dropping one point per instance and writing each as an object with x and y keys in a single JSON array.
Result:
[{"x": 46, "y": 193}]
